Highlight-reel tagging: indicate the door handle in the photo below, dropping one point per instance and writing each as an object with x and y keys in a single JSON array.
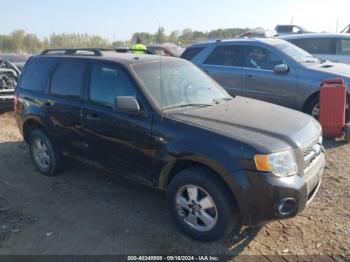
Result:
[
  {"x": 93, "y": 116},
  {"x": 48, "y": 104},
  {"x": 250, "y": 77}
]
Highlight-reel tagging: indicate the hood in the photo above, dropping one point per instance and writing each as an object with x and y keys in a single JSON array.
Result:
[
  {"x": 337, "y": 69},
  {"x": 267, "y": 127}
]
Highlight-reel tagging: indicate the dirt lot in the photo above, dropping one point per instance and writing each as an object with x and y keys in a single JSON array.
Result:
[{"x": 88, "y": 211}]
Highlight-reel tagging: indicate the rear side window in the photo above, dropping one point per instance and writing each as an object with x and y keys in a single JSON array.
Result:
[
  {"x": 68, "y": 80},
  {"x": 318, "y": 45},
  {"x": 108, "y": 82},
  {"x": 191, "y": 52},
  {"x": 36, "y": 76},
  {"x": 226, "y": 56}
]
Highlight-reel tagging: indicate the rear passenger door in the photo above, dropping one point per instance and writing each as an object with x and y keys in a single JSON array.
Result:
[
  {"x": 224, "y": 64},
  {"x": 119, "y": 141},
  {"x": 64, "y": 104}
]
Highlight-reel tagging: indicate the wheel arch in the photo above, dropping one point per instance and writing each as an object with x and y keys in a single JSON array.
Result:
[
  {"x": 309, "y": 99},
  {"x": 172, "y": 169},
  {"x": 30, "y": 124}
]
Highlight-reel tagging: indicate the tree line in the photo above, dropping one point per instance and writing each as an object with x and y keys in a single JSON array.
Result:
[{"x": 22, "y": 42}]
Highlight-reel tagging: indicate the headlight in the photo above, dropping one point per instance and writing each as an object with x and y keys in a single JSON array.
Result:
[
  {"x": 320, "y": 140},
  {"x": 280, "y": 164}
]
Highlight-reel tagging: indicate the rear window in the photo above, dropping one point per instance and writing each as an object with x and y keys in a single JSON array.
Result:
[
  {"x": 191, "y": 52},
  {"x": 68, "y": 80},
  {"x": 37, "y": 74}
]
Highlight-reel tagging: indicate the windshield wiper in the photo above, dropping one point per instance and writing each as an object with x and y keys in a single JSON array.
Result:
[
  {"x": 314, "y": 60},
  {"x": 186, "y": 105},
  {"x": 223, "y": 99}
]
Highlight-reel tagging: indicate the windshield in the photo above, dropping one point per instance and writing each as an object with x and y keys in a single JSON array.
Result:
[
  {"x": 297, "y": 53},
  {"x": 183, "y": 84}
]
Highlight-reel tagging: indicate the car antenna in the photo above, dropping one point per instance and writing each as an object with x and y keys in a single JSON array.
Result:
[{"x": 160, "y": 82}]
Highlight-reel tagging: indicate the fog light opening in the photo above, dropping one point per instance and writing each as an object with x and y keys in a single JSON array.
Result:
[{"x": 286, "y": 207}]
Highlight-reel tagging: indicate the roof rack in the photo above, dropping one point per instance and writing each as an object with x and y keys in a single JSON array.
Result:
[
  {"x": 91, "y": 51},
  {"x": 73, "y": 51}
]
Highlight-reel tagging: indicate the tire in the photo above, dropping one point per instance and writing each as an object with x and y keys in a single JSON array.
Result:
[
  {"x": 311, "y": 107},
  {"x": 219, "y": 202},
  {"x": 45, "y": 154},
  {"x": 347, "y": 132}
]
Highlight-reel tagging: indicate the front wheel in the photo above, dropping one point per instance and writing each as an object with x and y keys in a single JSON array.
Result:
[
  {"x": 313, "y": 108},
  {"x": 201, "y": 204}
]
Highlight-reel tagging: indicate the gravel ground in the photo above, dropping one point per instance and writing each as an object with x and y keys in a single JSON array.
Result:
[{"x": 88, "y": 211}]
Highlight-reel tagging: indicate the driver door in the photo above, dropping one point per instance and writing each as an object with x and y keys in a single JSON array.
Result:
[
  {"x": 118, "y": 141},
  {"x": 261, "y": 82}
]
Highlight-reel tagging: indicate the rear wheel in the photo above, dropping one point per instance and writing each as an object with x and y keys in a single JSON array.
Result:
[
  {"x": 45, "y": 154},
  {"x": 347, "y": 132},
  {"x": 201, "y": 205}
]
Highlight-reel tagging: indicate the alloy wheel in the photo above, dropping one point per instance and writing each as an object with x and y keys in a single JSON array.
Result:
[
  {"x": 196, "y": 207},
  {"x": 41, "y": 153}
]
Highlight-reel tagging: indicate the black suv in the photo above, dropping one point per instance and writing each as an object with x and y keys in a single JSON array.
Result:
[{"x": 223, "y": 161}]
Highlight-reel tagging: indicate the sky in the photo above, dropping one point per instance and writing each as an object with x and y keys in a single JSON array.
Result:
[{"x": 119, "y": 19}]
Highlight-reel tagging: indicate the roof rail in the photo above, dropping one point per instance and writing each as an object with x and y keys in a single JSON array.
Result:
[
  {"x": 92, "y": 51},
  {"x": 74, "y": 51}
]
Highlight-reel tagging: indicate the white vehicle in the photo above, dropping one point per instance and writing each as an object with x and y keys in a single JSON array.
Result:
[{"x": 333, "y": 47}]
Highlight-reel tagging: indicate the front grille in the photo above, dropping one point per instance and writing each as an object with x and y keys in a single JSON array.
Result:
[{"x": 311, "y": 154}]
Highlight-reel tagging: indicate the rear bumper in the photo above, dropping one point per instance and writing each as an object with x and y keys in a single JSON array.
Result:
[{"x": 267, "y": 198}]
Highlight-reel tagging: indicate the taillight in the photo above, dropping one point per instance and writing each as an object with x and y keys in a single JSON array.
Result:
[{"x": 15, "y": 103}]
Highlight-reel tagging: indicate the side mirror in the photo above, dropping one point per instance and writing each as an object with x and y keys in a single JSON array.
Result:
[
  {"x": 281, "y": 69},
  {"x": 126, "y": 104}
]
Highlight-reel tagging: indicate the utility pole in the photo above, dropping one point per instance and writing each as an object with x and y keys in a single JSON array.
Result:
[{"x": 336, "y": 28}]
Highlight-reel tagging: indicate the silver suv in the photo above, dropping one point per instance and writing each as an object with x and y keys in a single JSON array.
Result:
[{"x": 267, "y": 69}]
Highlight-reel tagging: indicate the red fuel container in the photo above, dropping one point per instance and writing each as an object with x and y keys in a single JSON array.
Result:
[{"x": 332, "y": 107}]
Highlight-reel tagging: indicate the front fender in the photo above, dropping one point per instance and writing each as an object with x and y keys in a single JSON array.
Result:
[{"x": 207, "y": 154}]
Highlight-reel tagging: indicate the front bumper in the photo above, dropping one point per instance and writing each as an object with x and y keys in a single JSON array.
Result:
[{"x": 264, "y": 194}]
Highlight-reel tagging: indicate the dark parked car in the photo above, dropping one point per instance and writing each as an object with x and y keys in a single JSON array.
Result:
[
  {"x": 167, "y": 49},
  {"x": 290, "y": 30},
  {"x": 222, "y": 161},
  {"x": 268, "y": 69},
  {"x": 9, "y": 75}
]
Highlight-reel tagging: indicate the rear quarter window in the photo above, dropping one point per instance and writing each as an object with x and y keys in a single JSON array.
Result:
[
  {"x": 68, "y": 80},
  {"x": 36, "y": 75},
  {"x": 191, "y": 52}
]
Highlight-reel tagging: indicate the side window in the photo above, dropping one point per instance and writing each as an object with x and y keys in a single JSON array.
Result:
[
  {"x": 36, "y": 76},
  {"x": 68, "y": 80},
  {"x": 343, "y": 47},
  {"x": 107, "y": 82},
  {"x": 260, "y": 58},
  {"x": 228, "y": 55},
  {"x": 191, "y": 53},
  {"x": 318, "y": 45}
]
